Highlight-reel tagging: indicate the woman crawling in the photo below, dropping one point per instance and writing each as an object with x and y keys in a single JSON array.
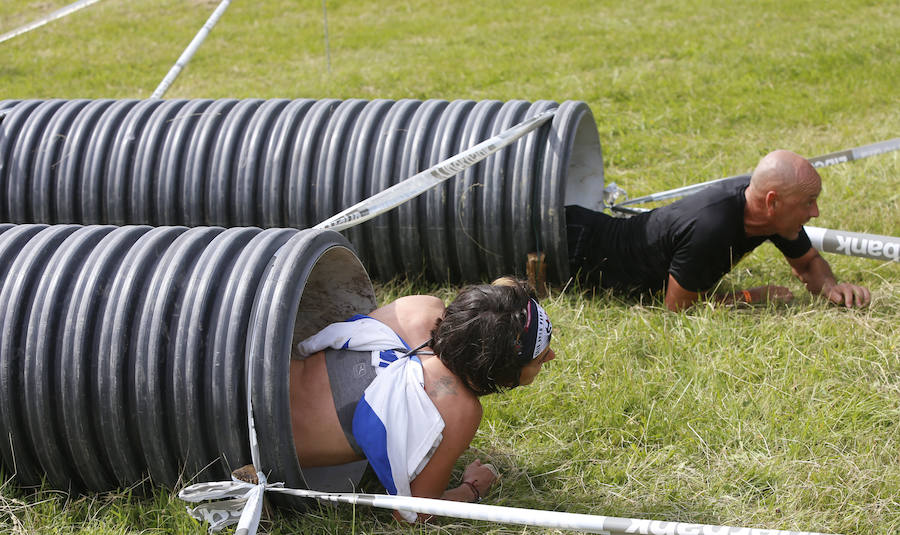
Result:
[{"x": 400, "y": 387}]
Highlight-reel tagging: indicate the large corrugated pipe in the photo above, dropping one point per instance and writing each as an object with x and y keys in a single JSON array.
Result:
[
  {"x": 294, "y": 163},
  {"x": 123, "y": 350}
]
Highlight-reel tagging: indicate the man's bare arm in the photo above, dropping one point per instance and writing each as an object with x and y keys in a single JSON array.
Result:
[
  {"x": 677, "y": 298},
  {"x": 816, "y": 275}
]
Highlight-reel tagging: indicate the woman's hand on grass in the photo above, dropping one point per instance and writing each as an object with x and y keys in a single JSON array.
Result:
[{"x": 482, "y": 476}]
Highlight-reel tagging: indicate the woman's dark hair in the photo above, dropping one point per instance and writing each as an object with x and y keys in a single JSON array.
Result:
[{"x": 477, "y": 339}]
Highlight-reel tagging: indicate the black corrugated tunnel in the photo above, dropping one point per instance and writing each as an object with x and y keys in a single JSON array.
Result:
[
  {"x": 294, "y": 163},
  {"x": 124, "y": 350}
]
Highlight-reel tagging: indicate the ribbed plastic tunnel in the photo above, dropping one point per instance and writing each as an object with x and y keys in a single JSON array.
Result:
[
  {"x": 123, "y": 350},
  {"x": 294, "y": 163}
]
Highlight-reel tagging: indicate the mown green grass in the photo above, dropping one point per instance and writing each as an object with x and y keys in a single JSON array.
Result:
[{"x": 774, "y": 417}]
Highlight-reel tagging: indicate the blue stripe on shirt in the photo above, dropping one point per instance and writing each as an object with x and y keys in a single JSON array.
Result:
[{"x": 370, "y": 434}]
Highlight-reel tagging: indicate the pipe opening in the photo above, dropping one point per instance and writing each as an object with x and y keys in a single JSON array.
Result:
[
  {"x": 585, "y": 182},
  {"x": 337, "y": 288}
]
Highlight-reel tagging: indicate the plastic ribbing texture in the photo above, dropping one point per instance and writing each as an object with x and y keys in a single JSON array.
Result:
[
  {"x": 294, "y": 163},
  {"x": 124, "y": 351}
]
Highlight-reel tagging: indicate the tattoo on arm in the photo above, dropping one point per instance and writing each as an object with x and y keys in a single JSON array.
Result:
[{"x": 443, "y": 386}]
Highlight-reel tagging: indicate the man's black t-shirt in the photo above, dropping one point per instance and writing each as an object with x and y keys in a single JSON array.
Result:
[{"x": 697, "y": 240}]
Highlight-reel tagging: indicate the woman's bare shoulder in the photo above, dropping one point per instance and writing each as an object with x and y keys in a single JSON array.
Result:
[
  {"x": 412, "y": 316},
  {"x": 460, "y": 408},
  {"x": 418, "y": 305}
]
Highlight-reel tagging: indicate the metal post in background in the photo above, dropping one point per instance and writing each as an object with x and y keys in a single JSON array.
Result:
[{"x": 325, "y": 25}]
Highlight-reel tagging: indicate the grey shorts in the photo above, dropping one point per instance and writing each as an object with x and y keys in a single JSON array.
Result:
[{"x": 349, "y": 373}]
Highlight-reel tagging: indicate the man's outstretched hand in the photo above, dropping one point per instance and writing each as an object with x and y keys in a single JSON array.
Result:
[{"x": 849, "y": 295}]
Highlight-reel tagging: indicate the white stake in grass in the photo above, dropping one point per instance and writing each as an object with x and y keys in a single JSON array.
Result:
[
  {"x": 825, "y": 160},
  {"x": 415, "y": 185},
  {"x": 190, "y": 50},
  {"x": 58, "y": 14}
]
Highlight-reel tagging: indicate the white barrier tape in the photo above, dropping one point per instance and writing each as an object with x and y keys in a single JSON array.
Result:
[
  {"x": 58, "y": 14},
  {"x": 833, "y": 158},
  {"x": 190, "y": 50},
  {"x": 874, "y": 246},
  {"x": 227, "y": 501},
  {"x": 493, "y": 513},
  {"x": 400, "y": 193},
  {"x": 249, "y": 520}
]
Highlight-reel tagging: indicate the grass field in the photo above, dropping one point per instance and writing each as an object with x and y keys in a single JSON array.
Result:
[{"x": 782, "y": 417}]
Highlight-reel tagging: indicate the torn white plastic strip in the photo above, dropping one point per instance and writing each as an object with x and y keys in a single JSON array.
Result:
[
  {"x": 58, "y": 14},
  {"x": 874, "y": 246},
  {"x": 400, "y": 193},
  {"x": 190, "y": 50},
  {"x": 249, "y": 521},
  {"x": 230, "y": 502},
  {"x": 825, "y": 160}
]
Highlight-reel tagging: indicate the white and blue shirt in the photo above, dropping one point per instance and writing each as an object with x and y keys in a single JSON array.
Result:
[{"x": 395, "y": 423}]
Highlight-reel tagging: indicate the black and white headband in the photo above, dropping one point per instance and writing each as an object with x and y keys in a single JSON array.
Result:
[{"x": 537, "y": 333}]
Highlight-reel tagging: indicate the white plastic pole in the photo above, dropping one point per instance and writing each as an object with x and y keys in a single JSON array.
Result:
[
  {"x": 858, "y": 153},
  {"x": 608, "y": 525},
  {"x": 825, "y": 160},
  {"x": 400, "y": 193},
  {"x": 58, "y": 14},
  {"x": 190, "y": 50},
  {"x": 678, "y": 192},
  {"x": 627, "y": 211},
  {"x": 874, "y": 246},
  {"x": 238, "y": 499}
]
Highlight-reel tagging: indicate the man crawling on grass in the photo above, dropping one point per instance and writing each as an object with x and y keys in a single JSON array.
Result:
[{"x": 686, "y": 247}]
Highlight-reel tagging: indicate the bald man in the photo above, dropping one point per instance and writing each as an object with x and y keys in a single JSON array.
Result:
[{"x": 686, "y": 247}]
